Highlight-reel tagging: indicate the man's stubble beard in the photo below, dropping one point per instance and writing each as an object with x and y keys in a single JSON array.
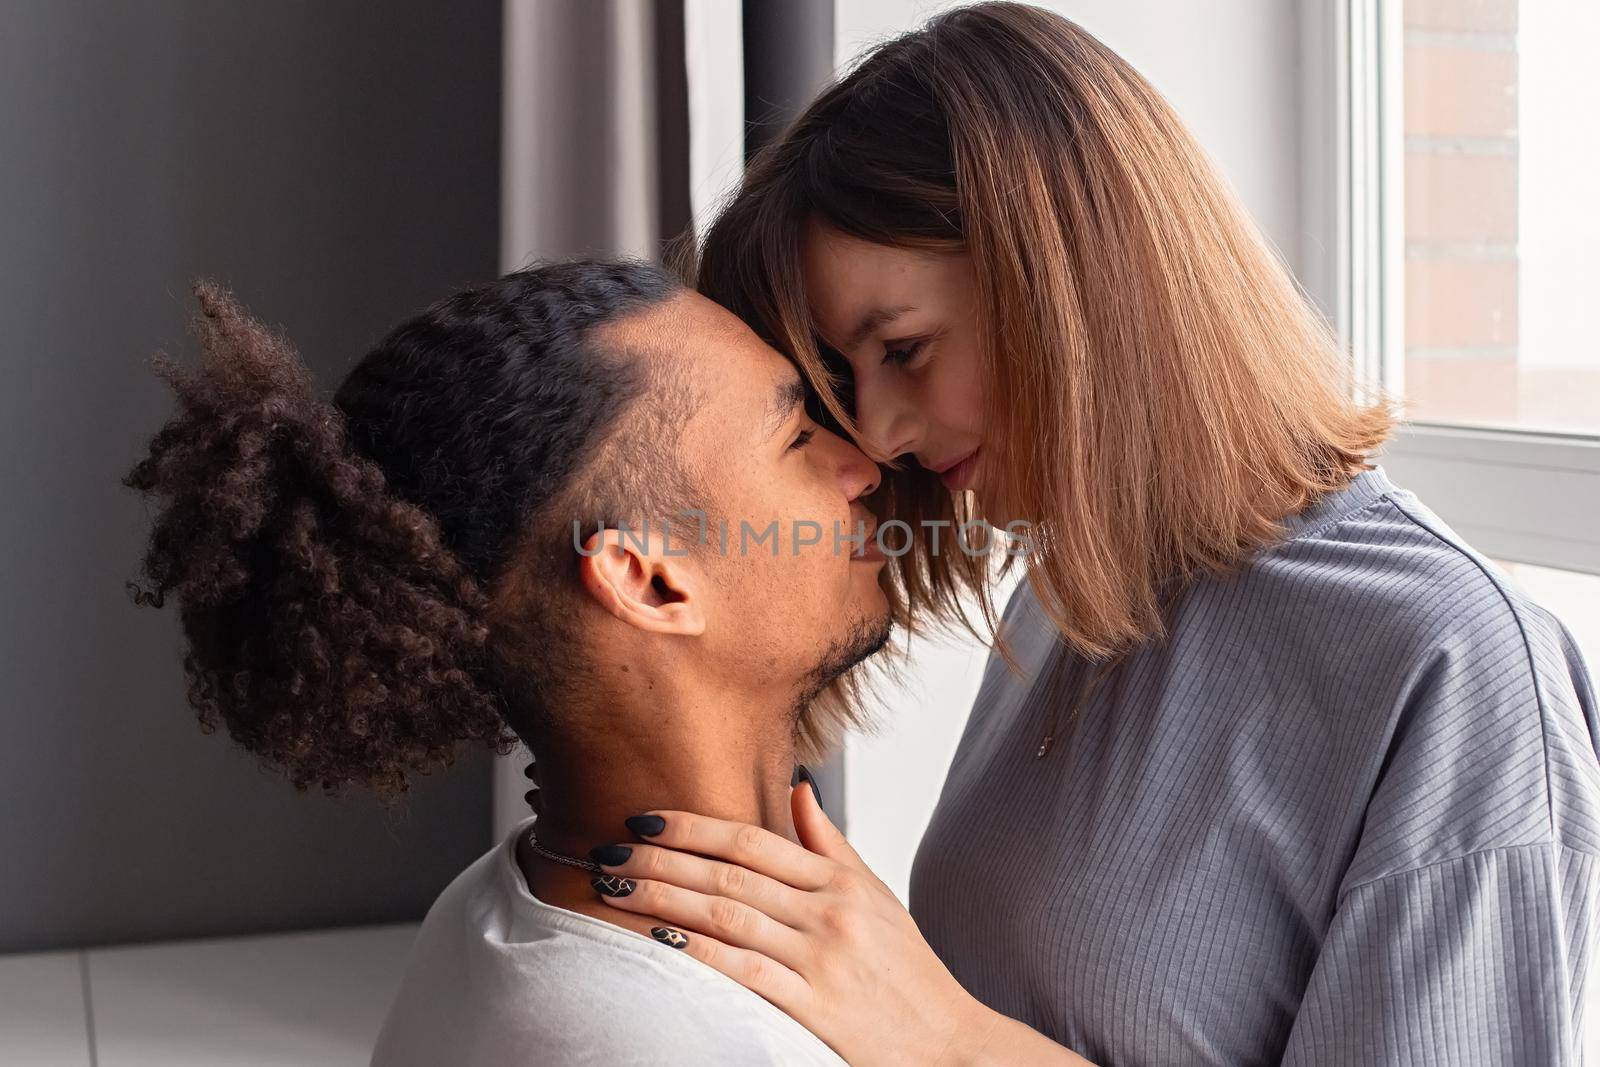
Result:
[{"x": 865, "y": 639}]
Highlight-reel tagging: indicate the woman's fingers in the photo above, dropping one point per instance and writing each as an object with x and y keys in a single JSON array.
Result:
[
  {"x": 754, "y": 847},
  {"x": 778, "y": 900},
  {"x": 817, "y": 832},
  {"x": 758, "y": 973},
  {"x": 733, "y": 923}
]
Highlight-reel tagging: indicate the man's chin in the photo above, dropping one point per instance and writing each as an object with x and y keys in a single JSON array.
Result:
[{"x": 866, "y": 637}]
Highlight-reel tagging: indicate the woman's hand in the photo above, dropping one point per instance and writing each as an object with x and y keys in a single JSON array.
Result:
[{"x": 815, "y": 932}]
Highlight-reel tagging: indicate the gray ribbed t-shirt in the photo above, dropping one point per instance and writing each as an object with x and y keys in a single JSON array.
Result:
[{"x": 1348, "y": 813}]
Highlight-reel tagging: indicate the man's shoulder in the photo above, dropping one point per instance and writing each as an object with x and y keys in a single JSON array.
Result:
[
  {"x": 495, "y": 977},
  {"x": 574, "y": 1000}
]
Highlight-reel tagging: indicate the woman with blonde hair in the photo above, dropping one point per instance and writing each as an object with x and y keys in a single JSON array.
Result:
[{"x": 1268, "y": 765}]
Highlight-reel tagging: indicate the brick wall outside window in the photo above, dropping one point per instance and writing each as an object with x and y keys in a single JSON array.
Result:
[
  {"x": 1500, "y": 198},
  {"x": 1461, "y": 209}
]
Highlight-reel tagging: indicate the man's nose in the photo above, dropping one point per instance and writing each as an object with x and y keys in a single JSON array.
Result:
[{"x": 858, "y": 474}]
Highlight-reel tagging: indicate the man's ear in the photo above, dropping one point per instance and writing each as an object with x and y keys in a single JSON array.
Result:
[{"x": 634, "y": 578}]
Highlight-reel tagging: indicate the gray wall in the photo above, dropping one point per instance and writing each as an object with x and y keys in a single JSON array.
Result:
[{"x": 337, "y": 163}]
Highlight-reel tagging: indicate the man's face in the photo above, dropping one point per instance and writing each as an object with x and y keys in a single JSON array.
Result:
[{"x": 787, "y": 596}]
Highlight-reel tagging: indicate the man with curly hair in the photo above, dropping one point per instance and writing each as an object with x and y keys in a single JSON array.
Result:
[{"x": 580, "y": 506}]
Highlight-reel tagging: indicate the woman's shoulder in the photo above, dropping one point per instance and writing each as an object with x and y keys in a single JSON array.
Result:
[
  {"x": 1391, "y": 592},
  {"x": 1392, "y": 569},
  {"x": 1488, "y": 719}
]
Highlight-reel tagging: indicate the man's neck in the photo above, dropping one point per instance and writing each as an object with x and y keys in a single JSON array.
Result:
[{"x": 732, "y": 759}]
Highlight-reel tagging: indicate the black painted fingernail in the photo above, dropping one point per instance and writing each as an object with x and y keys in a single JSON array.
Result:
[
  {"x": 668, "y": 936},
  {"x": 610, "y": 855},
  {"x": 805, "y": 776},
  {"x": 612, "y": 885},
  {"x": 527, "y": 772},
  {"x": 645, "y": 825},
  {"x": 794, "y": 779},
  {"x": 529, "y": 795}
]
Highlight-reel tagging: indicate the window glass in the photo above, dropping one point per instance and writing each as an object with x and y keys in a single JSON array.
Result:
[{"x": 1502, "y": 227}]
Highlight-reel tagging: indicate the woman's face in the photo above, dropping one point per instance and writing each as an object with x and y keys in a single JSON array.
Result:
[{"x": 907, "y": 323}]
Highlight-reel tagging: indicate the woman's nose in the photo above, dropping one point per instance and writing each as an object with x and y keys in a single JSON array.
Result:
[
  {"x": 886, "y": 431},
  {"x": 879, "y": 453}
]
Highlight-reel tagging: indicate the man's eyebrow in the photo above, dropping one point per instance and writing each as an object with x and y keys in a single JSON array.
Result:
[
  {"x": 790, "y": 394},
  {"x": 873, "y": 320}
]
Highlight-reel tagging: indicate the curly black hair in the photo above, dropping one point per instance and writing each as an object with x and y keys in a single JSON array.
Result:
[{"x": 345, "y": 571}]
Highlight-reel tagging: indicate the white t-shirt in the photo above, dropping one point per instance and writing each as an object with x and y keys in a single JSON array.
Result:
[{"x": 498, "y": 978}]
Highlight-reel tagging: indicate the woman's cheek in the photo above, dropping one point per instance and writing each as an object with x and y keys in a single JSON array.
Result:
[{"x": 956, "y": 399}]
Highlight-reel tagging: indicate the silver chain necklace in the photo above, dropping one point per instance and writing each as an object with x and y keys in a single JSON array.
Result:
[{"x": 562, "y": 857}]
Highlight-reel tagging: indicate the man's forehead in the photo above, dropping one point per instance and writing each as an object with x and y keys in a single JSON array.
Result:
[{"x": 706, "y": 342}]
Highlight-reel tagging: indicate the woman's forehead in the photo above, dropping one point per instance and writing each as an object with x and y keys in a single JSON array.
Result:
[{"x": 855, "y": 287}]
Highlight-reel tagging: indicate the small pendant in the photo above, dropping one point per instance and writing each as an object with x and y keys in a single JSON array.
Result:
[{"x": 1044, "y": 746}]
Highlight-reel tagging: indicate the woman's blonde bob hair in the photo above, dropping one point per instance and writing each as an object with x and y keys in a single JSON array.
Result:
[{"x": 1158, "y": 391}]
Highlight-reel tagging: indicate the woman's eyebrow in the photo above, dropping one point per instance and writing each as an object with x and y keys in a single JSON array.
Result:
[{"x": 875, "y": 319}]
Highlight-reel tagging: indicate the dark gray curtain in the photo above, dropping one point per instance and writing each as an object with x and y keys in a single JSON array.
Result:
[{"x": 338, "y": 165}]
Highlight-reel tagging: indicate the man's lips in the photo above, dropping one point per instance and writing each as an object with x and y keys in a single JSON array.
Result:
[{"x": 869, "y": 552}]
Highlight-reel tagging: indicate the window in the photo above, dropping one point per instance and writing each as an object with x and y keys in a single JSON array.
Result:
[
  {"x": 1501, "y": 153},
  {"x": 1452, "y": 173}
]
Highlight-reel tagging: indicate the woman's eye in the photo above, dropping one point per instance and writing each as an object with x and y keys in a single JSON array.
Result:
[
  {"x": 802, "y": 439},
  {"x": 899, "y": 354}
]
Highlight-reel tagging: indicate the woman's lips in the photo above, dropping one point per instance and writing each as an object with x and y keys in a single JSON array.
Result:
[{"x": 960, "y": 475}]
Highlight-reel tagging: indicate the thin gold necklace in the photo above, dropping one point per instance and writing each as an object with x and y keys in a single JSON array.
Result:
[
  {"x": 1087, "y": 686},
  {"x": 1090, "y": 680}
]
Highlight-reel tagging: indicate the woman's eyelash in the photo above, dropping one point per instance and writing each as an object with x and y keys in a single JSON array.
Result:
[
  {"x": 802, "y": 439},
  {"x": 902, "y": 355}
]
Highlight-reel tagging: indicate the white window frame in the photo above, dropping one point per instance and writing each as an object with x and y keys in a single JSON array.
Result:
[{"x": 1521, "y": 496}]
